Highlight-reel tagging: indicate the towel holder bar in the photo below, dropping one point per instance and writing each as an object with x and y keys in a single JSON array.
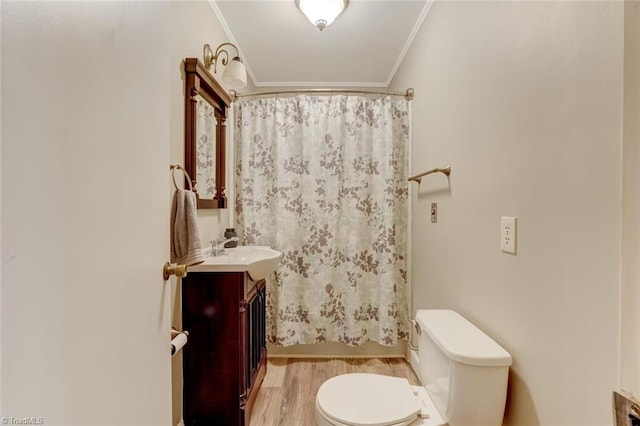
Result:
[
  {"x": 173, "y": 168},
  {"x": 445, "y": 170}
]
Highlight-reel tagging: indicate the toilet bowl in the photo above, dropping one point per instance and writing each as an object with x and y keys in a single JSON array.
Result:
[
  {"x": 463, "y": 371},
  {"x": 374, "y": 400}
]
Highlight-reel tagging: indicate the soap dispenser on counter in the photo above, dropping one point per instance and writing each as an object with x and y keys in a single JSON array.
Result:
[{"x": 230, "y": 233}]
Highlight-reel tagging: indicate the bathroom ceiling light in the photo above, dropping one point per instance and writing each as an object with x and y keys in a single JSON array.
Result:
[
  {"x": 235, "y": 73},
  {"x": 321, "y": 13}
]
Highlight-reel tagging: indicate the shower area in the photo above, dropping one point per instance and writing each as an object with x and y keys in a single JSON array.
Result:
[{"x": 323, "y": 179}]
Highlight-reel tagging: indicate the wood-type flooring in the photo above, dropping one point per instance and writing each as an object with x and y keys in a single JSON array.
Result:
[{"x": 287, "y": 395}]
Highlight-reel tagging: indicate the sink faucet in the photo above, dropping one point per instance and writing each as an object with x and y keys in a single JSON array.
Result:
[{"x": 217, "y": 246}]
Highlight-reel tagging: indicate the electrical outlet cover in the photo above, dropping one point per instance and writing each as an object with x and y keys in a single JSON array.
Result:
[{"x": 508, "y": 233}]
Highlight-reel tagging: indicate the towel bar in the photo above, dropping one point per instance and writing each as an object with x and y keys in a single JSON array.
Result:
[{"x": 445, "y": 170}]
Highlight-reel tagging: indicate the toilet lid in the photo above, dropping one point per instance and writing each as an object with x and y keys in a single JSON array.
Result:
[{"x": 367, "y": 399}]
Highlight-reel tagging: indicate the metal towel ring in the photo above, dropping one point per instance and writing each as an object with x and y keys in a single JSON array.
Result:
[{"x": 173, "y": 168}]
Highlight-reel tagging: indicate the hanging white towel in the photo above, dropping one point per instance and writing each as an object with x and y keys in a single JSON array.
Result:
[{"x": 185, "y": 236}]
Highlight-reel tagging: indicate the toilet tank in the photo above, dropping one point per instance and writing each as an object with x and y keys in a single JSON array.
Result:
[{"x": 463, "y": 369}]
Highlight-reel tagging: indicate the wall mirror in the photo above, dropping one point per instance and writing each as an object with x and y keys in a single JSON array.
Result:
[{"x": 206, "y": 104}]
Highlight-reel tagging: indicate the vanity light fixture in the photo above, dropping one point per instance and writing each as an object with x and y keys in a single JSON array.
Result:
[
  {"x": 322, "y": 13},
  {"x": 235, "y": 73}
]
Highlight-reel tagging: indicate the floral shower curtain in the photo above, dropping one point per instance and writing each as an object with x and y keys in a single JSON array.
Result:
[
  {"x": 323, "y": 179},
  {"x": 206, "y": 148}
]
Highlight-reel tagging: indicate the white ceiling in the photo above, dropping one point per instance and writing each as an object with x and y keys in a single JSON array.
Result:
[{"x": 362, "y": 48}]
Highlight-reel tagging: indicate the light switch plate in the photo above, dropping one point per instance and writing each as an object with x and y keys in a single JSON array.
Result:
[{"x": 508, "y": 234}]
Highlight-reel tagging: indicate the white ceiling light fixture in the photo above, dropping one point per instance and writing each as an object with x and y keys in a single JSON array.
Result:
[{"x": 322, "y": 13}]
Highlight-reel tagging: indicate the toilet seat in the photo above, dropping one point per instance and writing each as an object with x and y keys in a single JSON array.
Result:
[{"x": 360, "y": 399}]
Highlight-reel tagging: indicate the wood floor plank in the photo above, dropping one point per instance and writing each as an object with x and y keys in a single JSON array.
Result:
[
  {"x": 401, "y": 368},
  {"x": 276, "y": 369},
  {"x": 266, "y": 410},
  {"x": 287, "y": 396},
  {"x": 299, "y": 393}
]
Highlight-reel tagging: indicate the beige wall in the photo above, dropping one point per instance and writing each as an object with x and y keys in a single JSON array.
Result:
[
  {"x": 630, "y": 294},
  {"x": 193, "y": 23},
  {"x": 85, "y": 213},
  {"x": 524, "y": 100}
]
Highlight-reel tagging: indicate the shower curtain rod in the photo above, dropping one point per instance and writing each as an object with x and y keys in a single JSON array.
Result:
[{"x": 408, "y": 94}]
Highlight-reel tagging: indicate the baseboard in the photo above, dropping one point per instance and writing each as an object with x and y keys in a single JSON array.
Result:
[
  {"x": 337, "y": 350},
  {"x": 414, "y": 360},
  {"x": 334, "y": 356}
]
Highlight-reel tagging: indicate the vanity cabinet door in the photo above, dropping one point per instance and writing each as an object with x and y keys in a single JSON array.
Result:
[
  {"x": 258, "y": 337},
  {"x": 255, "y": 344},
  {"x": 212, "y": 358},
  {"x": 225, "y": 360}
]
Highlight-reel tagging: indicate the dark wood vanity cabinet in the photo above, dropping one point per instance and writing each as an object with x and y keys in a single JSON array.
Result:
[{"x": 224, "y": 361}]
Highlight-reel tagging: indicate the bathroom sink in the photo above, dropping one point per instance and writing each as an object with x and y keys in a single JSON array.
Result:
[{"x": 258, "y": 261}]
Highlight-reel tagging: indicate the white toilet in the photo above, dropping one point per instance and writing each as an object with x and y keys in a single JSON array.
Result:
[{"x": 464, "y": 373}]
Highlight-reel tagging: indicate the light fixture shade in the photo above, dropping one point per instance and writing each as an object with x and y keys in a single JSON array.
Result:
[
  {"x": 235, "y": 74},
  {"x": 321, "y": 13}
]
